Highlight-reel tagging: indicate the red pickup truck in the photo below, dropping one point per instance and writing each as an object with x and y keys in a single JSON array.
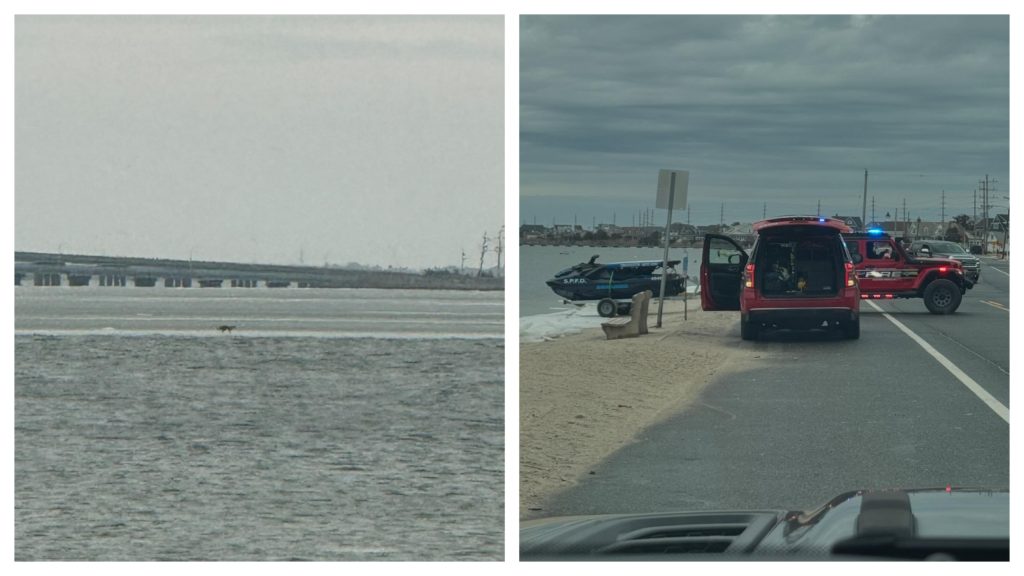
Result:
[{"x": 886, "y": 271}]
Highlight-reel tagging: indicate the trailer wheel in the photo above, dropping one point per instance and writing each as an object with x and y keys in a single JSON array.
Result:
[
  {"x": 606, "y": 308},
  {"x": 942, "y": 296}
]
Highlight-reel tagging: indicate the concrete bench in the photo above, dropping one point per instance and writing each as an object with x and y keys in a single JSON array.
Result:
[{"x": 633, "y": 326}]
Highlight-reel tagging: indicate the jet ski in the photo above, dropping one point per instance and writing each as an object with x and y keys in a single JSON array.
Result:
[{"x": 614, "y": 283}]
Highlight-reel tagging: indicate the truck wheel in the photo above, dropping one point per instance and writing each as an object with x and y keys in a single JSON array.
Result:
[
  {"x": 606, "y": 308},
  {"x": 748, "y": 329},
  {"x": 942, "y": 297},
  {"x": 852, "y": 329}
]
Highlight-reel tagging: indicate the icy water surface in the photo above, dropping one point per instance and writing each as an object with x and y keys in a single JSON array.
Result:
[{"x": 176, "y": 442}]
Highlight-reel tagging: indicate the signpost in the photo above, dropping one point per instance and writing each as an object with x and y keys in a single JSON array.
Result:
[{"x": 671, "y": 183}]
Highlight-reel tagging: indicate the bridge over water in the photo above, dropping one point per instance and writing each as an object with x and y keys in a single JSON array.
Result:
[{"x": 48, "y": 269}]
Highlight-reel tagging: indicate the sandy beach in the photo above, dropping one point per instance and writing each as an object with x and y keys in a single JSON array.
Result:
[{"x": 583, "y": 397}]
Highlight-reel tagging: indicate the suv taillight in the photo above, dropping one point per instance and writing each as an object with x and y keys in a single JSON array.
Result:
[
  {"x": 851, "y": 276},
  {"x": 748, "y": 276}
]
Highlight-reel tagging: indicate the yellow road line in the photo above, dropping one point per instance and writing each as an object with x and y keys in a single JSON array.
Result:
[{"x": 995, "y": 305}]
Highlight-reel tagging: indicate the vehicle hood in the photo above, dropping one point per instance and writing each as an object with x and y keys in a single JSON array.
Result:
[
  {"x": 960, "y": 257},
  {"x": 960, "y": 513},
  {"x": 936, "y": 261}
]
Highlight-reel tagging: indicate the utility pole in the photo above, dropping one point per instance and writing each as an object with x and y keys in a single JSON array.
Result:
[
  {"x": 500, "y": 247},
  {"x": 872, "y": 208},
  {"x": 462, "y": 269},
  {"x": 984, "y": 214},
  {"x": 819, "y": 208},
  {"x": 1006, "y": 230},
  {"x": 483, "y": 251},
  {"x": 904, "y": 217},
  {"x": 986, "y": 188},
  {"x": 973, "y": 221},
  {"x": 864, "y": 206}
]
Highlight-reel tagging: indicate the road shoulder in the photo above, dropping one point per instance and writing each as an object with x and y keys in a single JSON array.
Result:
[{"x": 583, "y": 397}]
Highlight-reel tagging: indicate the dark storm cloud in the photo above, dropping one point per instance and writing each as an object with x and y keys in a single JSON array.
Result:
[{"x": 777, "y": 109}]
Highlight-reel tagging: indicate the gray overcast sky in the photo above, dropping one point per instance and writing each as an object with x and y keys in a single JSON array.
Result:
[
  {"x": 371, "y": 139},
  {"x": 785, "y": 110}
]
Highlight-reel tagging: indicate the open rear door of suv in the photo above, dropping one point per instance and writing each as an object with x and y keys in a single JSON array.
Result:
[{"x": 721, "y": 268}]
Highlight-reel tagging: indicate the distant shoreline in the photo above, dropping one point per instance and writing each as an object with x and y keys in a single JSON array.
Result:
[
  {"x": 619, "y": 243},
  {"x": 47, "y": 269}
]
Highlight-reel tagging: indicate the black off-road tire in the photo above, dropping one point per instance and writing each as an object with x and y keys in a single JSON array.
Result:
[
  {"x": 748, "y": 329},
  {"x": 942, "y": 296},
  {"x": 607, "y": 308}
]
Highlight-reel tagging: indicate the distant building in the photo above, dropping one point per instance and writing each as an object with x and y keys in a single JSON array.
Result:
[
  {"x": 567, "y": 230},
  {"x": 852, "y": 221},
  {"x": 739, "y": 229},
  {"x": 611, "y": 230},
  {"x": 532, "y": 231}
]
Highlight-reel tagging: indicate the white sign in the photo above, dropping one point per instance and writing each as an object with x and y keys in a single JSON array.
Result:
[{"x": 664, "y": 185}]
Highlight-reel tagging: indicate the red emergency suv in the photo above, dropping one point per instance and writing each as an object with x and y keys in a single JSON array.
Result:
[
  {"x": 799, "y": 274},
  {"x": 886, "y": 271}
]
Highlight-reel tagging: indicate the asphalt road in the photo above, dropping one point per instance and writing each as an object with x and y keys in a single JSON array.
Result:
[{"x": 807, "y": 418}]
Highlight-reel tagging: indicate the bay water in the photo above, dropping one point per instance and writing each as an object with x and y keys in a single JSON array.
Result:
[{"x": 326, "y": 425}]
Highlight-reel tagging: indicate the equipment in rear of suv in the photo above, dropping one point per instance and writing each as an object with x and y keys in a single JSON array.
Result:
[{"x": 798, "y": 274}]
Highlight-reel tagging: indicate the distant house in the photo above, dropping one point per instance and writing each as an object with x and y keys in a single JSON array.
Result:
[
  {"x": 611, "y": 230},
  {"x": 894, "y": 228},
  {"x": 741, "y": 232},
  {"x": 852, "y": 221},
  {"x": 567, "y": 230},
  {"x": 532, "y": 231},
  {"x": 632, "y": 231},
  {"x": 1002, "y": 222},
  {"x": 739, "y": 229},
  {"x": 680, "y": 230},
  {"x": 992, "y": 233},
  {"x": 936, "y": 230}
]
